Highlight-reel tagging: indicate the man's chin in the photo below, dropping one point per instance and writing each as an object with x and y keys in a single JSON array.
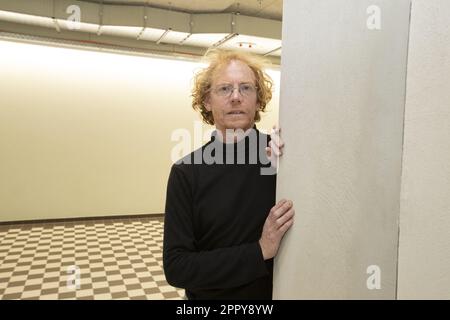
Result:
[{"x": 239, "y": 124}]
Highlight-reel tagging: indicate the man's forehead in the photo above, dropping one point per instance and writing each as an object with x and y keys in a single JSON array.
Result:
[{"x": 232, "y": 66}]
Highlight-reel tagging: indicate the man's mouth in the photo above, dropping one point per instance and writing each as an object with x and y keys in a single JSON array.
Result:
[{"x": 236, "y": 112}]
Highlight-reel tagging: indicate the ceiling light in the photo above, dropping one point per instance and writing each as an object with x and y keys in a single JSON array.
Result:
[
  {"x": 78, "y": 26},
  {"x": 256, "y": 45},
  {"x": 163, "y": 35},
  {"x": 121, "y": 31},
  {"x": 275, "y": 52},
  {"x": 204, "y": 39},
  {"x": 185, "y": 39},
  {"x": 26, "y": 19},
  {"x": 151, "y": 34},
  {"x": 225, "y": 40},
  {"x": 176, "y": 37}
]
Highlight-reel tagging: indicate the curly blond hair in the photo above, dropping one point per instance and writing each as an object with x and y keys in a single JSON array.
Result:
[{"x": 219, "y": 58}]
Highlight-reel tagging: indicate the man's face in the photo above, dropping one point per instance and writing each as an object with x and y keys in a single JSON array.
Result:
[{"x": 236, "y": 111}]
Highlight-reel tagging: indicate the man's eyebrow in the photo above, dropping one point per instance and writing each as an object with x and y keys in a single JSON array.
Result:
[{"x": 229, "y": 83}]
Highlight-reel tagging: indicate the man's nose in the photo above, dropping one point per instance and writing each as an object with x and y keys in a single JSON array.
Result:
[{"x": 236, "y": 94}]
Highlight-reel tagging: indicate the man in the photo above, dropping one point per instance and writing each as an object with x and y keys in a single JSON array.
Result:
[{"x": 222, "y": 228}]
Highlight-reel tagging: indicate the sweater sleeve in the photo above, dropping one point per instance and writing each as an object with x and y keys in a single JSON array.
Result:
[{"x": 187, "y": 267}]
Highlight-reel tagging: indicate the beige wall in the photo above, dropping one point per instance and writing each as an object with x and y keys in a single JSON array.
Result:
[
  {"x": 424, "y": 251},
  {"x": 342, "y": 104},
  {"x": 88, "y": 133}
]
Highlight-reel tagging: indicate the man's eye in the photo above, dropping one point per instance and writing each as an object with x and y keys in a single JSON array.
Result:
[
  {"x": 246, "y": 87},
  {"x": 224, "y": 88}
]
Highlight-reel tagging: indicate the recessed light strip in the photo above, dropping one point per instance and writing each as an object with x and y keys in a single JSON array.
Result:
[
  {"x": 163, "y": 35},
  {"x": 227, "y": 38},
  {"x": 271, "y": 51}
]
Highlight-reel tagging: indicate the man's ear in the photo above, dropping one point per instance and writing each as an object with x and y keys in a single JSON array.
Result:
[
  {"x": 207, "y": 104},
  {"x": 258, "y": 108}
]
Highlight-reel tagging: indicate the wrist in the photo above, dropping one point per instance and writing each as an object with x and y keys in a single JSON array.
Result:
[{"x": 263, "y": 250}]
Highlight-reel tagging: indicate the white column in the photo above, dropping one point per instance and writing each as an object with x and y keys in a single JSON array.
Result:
[
  {"x": 424, "y": 251},
  {"x": 342, "y": 106}
]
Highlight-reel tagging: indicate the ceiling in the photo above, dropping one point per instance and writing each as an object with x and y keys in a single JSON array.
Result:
[
  {"x": 183, "y": 27},
  {"x": 268, "y": 9}
]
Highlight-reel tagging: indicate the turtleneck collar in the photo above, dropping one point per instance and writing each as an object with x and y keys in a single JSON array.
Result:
[{"x": 215, "y": 136}]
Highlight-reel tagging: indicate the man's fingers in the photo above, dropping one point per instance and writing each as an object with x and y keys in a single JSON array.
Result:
[
  {"x": 276, "y": 150},
  {"x": 283, "y": 209},
  {"x": 279, "y": 142},
  {"x": 276, "y": 207},
  {"x": 275, "y": 136},
  {"x": 282, "y": 230},
  {"x": 276, "y": 140},
  {"x": 285, "y": 217},
  {"x": 280, "y": 203}
]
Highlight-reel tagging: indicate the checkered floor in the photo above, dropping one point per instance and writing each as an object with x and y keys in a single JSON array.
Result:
[{"x": 104, "y": 259}]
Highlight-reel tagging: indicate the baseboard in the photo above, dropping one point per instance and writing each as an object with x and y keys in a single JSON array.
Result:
[{"x": 59, "y": 220}]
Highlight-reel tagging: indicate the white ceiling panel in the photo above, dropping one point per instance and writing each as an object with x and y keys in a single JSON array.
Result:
[
  {"x": 204, "y": 39},
  {"x": 252, "y": 44},
  {"x": 269, "y": 9}
]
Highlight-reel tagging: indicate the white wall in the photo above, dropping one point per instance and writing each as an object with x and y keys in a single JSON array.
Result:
[
  {"x": 88, "y": 133},
  {"x": 342, "y": 104},
  {"x": 424, "y": 251},
  {"x": 344, "y": 141}
]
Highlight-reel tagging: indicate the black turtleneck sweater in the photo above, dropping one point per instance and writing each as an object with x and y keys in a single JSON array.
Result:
[{"x": 214, "y": 217}]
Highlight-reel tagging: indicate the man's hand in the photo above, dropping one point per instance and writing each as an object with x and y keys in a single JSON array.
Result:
[
  {"x": 279, "y": 220},
  {"x": 275, "y": 148}
]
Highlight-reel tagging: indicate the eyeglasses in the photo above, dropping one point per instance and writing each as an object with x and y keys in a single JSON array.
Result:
[{"x": 225, "y": 90}]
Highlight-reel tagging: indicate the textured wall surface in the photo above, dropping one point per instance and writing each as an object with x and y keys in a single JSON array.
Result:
[
  {"x": 341, "y": 112},
  {"x": 424, "y": 251}
]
